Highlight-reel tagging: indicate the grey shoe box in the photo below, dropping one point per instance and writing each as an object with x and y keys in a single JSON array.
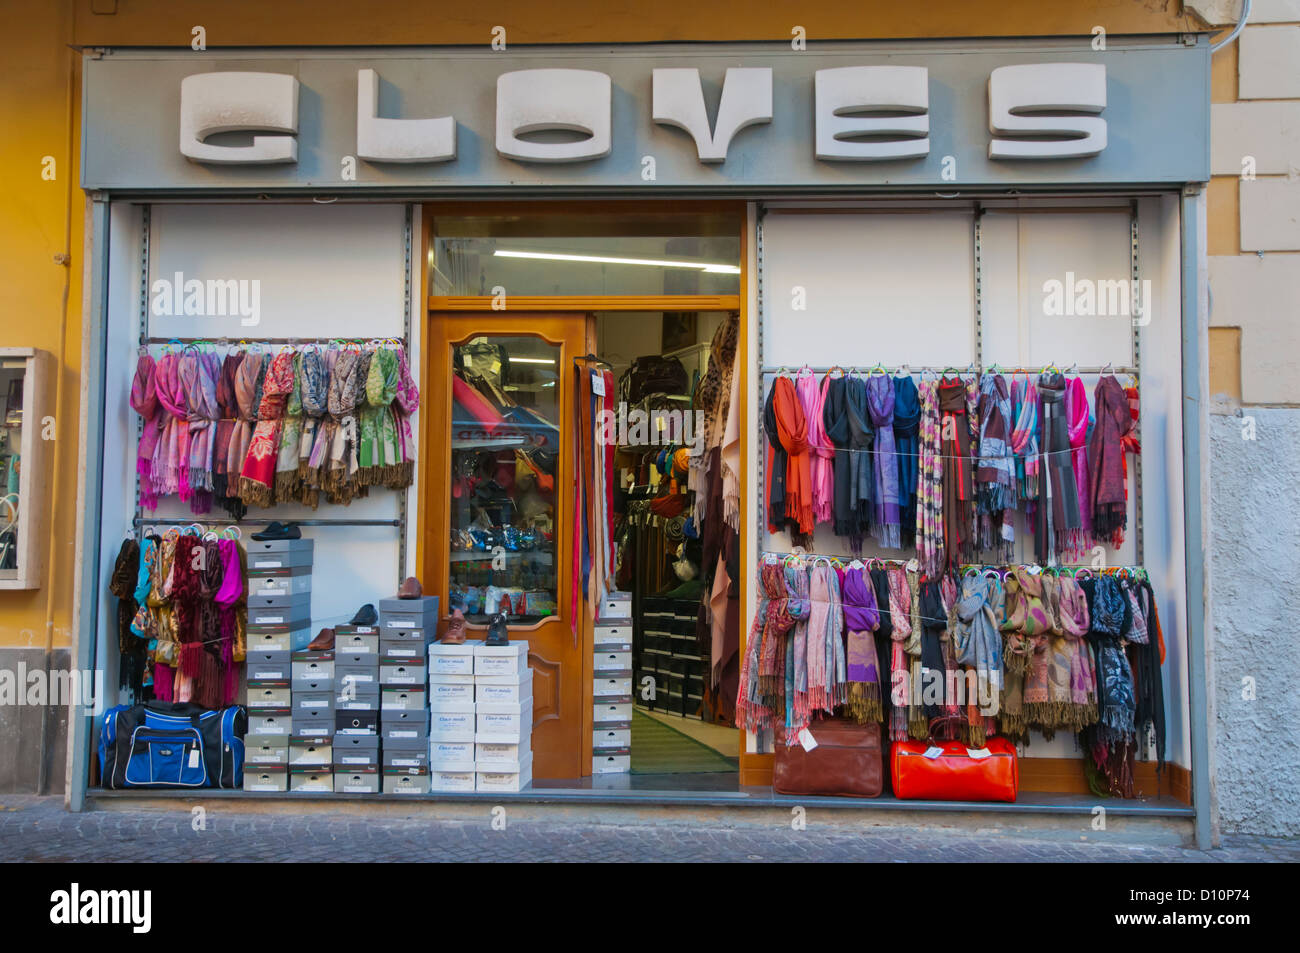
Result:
[
  {"x": 275, "y": 582},
  {"x": 401, "y": 781},
  {"x": 404, "y": 759},
  {"x": 397, "y": 698},
  {"x": 405, "y": 729},
  {"x": 355, "y": 643},
  {"x": 269, "y": 694},
  {"x": 295, "y": 614},
  {"x": 310, "y": 752},
  {"x": 296, "y": 603},
  {"x": 313, "y": 665},
  {"x": 304, "y": 703},
  {"x": 356, "y": 751},
  {"x": 404, "y": 650},
  {"x": 275, "y": 722},
  {"x": 400, "y": 672},
  {"x": 362, "y": 696},
  {"x": 313, "y": 725},
  {"x": 425, "y": 605},
  {"x": 265, "y": 749},
  {"x": 278, "y": 553},
  {"x": 266, "y": 777},
  {"x": 418, "y": 635},
  {"x": 272, "y": 667},
  {"x": 365, "y": 675},
  {"x": 313, "y": 778},
  {"x": 312, "y": 684},
  {"x": 356, "y": 780}
]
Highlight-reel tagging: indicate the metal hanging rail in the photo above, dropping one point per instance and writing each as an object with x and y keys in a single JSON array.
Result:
[
  {"x": 259, "y": 521},
  {"x": 969, "y": 369}
]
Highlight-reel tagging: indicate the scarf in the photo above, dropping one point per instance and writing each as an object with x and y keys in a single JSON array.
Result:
[
  {"x": 1147, "y": 675},
  {"x": 934, "y": 668},
  {"x": 406, "y": 401},
  {"x": 957, "y": 406},
  {"x": 340, "y": 468},
  {"x": 880, "y": 405},
  {"x": 835, "y": 421},
  {"x": 1111, "y": 740},
  {"x": 1109, "y": 488},
  {"x": 995, "y": 479},
  {"x": 1056, "y": 483},
  {"x": 257, "y": 477},
  {"x": 798, "y": 704},
  {"x": 929, "y": 488},
  {"x": 227, "y": 412},
  {"x": 776, "y": 465},
  {"x": 166, "y": 466},
  {"x": 380, "y": 453},
  {"x": 1079, "y": 418},
  {"x": 246, "y": 378},
  {"x": 760, "y": 695},
  {"x": 862, "y": 472},
  {"x": 313, "y": 448},
  {"x": 825, "y": 641},
  {"x": 204, "y": 411},
  {"x": 122, "y": 584},
  {"x": 287, "y": 480},
  {"x": 1024, "y": 437},
  {"x": 907, "y": 423},
  {"x": 904, "y": 652},
  {"x": 711, "y": 398},
  {"x": 730, "y": 454},
  {"x": 862, "y": 617},
  {"x": 978, "y": 643},
  {"x": 144, "y": 401},
  {"x": 821, "y": 466},
  {"x": 792, "y": 431}
]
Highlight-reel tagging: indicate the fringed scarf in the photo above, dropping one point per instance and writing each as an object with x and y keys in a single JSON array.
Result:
[
  {"x": 978, "y": 643},
  {"x": 862, "y": 470},
  {"x": 907, "y": 422},
  {"x": 730, "y": 450},
  {"x": 379, "y": 456},
  {"x": 246, "y": 385},
  {"x": 711, "y": 397},
  {"x": 1147, "y": 676},
  {"x": 126, "y": 574},
  {"x": 144, "y": 400},
  {"x": 798, "y": 704},
  {"x": 1111, "y": 740},
  {"x": 340, "y": 467},
  {"x": 880, "y": 405},
  {"x": 904, "y": 612},
  {"x": 1059, "y": 517},
  {"x": 228, "y": 599},
  {"x": 1108, "y": 485},
  {"x": 826, "y": 665},
  {"x": 257, "y": 477},
  {"x": 204, "y": 412},
  {"x": 835, "y": 422},
  {"x": 1076, "y": 411},
  {"x": 313, "y": 391},
  {"x": 934, "y": 669},
  {"x": 929, "y": 488},
  {"x": 792, "y": 431},
  {"x": 406, "y": 401},
  {"x": 995, "y": 479},
  {"x": 760, "y": 693},
  {"x": 287, "y": 481},
  {"x": 228, "y": 411},
  {"x": 1024, "y": 436},
  {"x": 862, "y": 617},
  {"x": 822, "y": 452},
  {"x": 957, "y": 406},
  {"x": 166, "y": 468}
]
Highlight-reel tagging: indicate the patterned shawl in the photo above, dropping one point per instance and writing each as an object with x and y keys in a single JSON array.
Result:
[
  {"x": 957, "y": 402},
  {"x": 1076, "y": 411},
  {"x": 760, "y": 695},
  {"x": 257, "y": 477},
  {"x": 167, "y": 468},
  {"x": 379, "y": 455},
  {"x": 978, "y": 643},
  {"x": 1024, "y": 436},
  {"x": 862, "y": 617},
  {"x": 929, "y": 488},
  {"x": 246, "y": 377},
  {"x": 995, "y": 479},
  {"x": 204, "y": 411},
  {"x": 1056, "y": 483},
  {"x": 825, "y": 641},
  {"x": 821, "y": 450},
  {"x": 1106, "y": 457},
  {"x": 287, "y": 480},
  {"x": 405, "y": 403},
  {"x": 792, "y": 431},
  {"x": 228, "y": 411},
  {"x": 339, "y": 476}
]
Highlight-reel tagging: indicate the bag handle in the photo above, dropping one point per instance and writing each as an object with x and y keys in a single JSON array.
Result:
[{"x": 946, "y": 728}]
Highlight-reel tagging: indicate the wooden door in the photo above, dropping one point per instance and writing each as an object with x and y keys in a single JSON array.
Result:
[{"x": 500, "y": 410}]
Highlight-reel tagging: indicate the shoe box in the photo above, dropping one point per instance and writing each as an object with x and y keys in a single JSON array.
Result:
[
  {"x": 356, "y": 639},
  {"x": 452, "y": 659},
  {"x": 278, "y": 638},
  {"x": 510, "y": 659},
  {"x": 398, "y": 614},
  {"x": 264, "y": 778},
  {"x": 356, "y": 780},
  {"x": 355, "y": 752},
  {"x": 505, "y": 776},
  {"x": 505, "y": 722},
  {"x": 451, "y": 763},
  {"x": 267, "y": 554},
  {"x": 451, "y": 688},
  {"x": 311, "y": 752},
  {"x": 612, "y": 686},
  {"x": 406, "y": 780}
]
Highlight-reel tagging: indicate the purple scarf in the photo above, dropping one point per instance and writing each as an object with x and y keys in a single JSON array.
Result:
[
  {"x": 880, "y": 404},
  {"x": 861, "y": 617}
]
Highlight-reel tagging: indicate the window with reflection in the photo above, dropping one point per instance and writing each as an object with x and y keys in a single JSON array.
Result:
[{"x": 505, "y": 446}]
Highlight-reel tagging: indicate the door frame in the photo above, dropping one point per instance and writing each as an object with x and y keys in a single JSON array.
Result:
[{"x": 754, "y": 768}]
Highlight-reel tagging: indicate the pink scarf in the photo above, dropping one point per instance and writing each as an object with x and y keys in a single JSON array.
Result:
[
  {"x": 166, "y": 467},
  {"x": 201, "y": 399},
  {"x": 1076, "y": 410},
  {"x": 820, "y": 447},
  {"x": 144, "y": 400}
]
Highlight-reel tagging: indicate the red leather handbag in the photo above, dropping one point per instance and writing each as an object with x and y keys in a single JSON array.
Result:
[
  {"x": 956, "y": 773},
  {"x": 847, "y": 762}
]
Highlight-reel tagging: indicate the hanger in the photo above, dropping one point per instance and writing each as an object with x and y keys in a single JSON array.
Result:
[{"x": 904, "y": 371}]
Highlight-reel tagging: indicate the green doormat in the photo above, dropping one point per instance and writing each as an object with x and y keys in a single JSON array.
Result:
[{"x": 659, "y": 749}]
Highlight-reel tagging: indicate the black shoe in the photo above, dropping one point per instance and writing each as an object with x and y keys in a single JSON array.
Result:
[
  {"x": 497, "y": 633},
  {"x": 366, "y": 615},
  {"x": 279, "y": 531}
]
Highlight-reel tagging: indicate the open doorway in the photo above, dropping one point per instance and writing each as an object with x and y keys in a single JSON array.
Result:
[{"x": 673, "y": 372}]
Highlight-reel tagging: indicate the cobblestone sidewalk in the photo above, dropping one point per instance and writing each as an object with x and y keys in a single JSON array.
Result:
[{"x": 39, "y": 829}]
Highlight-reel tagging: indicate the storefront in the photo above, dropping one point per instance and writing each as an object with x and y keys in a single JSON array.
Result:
[{"x": 523, "y": 231}]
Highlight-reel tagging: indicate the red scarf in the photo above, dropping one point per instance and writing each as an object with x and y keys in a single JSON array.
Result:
[{"x": 792, "y": 426}]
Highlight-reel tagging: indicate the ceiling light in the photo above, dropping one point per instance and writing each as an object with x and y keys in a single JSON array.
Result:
[{"x": 712, "y": 268}]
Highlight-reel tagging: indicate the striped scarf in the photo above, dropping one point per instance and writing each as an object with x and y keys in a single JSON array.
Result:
[
  {"x": 1024, "y": 437},
  {"x": 929, "y": 486},
  {"x": 798, "y": 706}
]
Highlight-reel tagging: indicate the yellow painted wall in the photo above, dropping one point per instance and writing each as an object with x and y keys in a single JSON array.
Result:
[{"x": 40, "y": 301}]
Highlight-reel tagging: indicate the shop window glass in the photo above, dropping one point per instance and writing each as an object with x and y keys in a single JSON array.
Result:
[
  {"x": 505, "y": 448},
  {"x": 589, "y": 256}
]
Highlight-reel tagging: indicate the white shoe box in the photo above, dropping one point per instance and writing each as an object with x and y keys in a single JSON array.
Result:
[
  {"x": 451, "y": 688},
  {"x": 502, "y": 752},
  {"x": 616, "y": 714},
  {"x": 612, "y": 662},
  {"x": 451, "y": 721},
  {"x": 611, "y": 738},
  {"x": 512, "y": 777},
  {"x": 451, "y": 752},
  {"x": 504, "y": 688},
  {"x": 508, "y": 659},
  {"x": 503, "y": 721},
  {"x": 612, "y": 637},
  {"x": 452, "y": 659},
  {"x": 451, "y": 778},
  {"x": 611, "y": 763},
  {"x": 612, "y": 687}
]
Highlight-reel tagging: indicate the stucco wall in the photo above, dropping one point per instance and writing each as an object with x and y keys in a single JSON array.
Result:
[{"x": 1254, "y": 596}]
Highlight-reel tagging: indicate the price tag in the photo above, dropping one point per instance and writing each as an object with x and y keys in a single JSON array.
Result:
[
  {"x": 807, "y": 740},
  {"x": 933, "y": 752},
  {"x": 598, "y": 383},
  {"x": 979, "y": 754},
  {"x": 194, "y": 757}
]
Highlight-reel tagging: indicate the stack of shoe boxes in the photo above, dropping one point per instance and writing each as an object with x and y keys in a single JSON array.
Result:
[
  {"x": 311, "y": 759},
  {"x": 406, "y": 627},
  {"x": 451, "y": 717},
  {"x": 356, "y": 709},
  {"x": 503, "y": 717},
  {"x": 279, "y": 623},
  {"x": 612, "y": 690}
]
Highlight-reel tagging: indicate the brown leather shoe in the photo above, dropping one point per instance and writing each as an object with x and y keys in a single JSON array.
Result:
[
  {"x": 324, "y": 641},
  {"x": 455, "y": 634},
  {"x": 410, "y": 589}
]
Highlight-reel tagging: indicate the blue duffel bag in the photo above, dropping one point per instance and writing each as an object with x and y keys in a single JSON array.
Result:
[{"x": 172, "y": 745}]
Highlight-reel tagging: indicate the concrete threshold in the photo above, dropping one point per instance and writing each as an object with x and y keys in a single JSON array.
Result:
[{"x": 1043, "y": 816}]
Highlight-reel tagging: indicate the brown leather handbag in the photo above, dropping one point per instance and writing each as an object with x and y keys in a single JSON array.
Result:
[{"x": 847, "y": 762}]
